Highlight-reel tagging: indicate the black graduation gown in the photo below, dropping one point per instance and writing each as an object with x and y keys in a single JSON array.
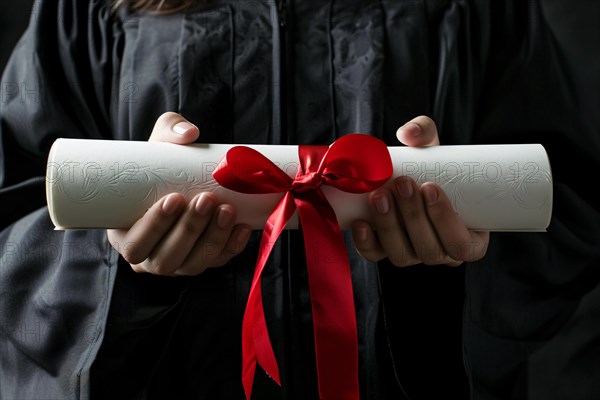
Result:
[{"x": 77, "y": 323}]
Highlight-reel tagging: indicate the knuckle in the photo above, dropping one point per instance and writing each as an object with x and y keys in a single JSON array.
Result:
[
  {"x": 226, "y": 255},
  {"x": 191, "y": 269},
  {"x": 466, "y": 251},
  {"x": 209, "y": 252},
  {"x": 402, "y": 258},
  {"x": 159, "y": 267},
  {"x": 434, "y": 258},
  {"x": 398, "y": 261},
  {"x": 395, "y": 263},
  {"x": 222, "y": 261},
  {"x": 232, "y": 251},
  {"x": 138, "y": 269},
  {"x": 477, "y": 255},
  {"x": 454, "y": 263},
  {"x": 456, "y": 252},
  {"x": 133, "y": 254}
]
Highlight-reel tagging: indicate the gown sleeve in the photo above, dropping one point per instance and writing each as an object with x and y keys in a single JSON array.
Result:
[
  {"x": 533, "y": 302},
  {"x": 54, "y": 286}
]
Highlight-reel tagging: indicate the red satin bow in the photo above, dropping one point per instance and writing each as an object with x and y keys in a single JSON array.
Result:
[{"x": 355, "y": 163}]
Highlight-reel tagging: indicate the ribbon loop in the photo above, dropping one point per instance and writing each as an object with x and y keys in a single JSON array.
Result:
[{"x": 332, "y": 300}]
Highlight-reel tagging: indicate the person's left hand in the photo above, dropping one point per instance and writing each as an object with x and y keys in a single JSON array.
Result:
[{"x": 414, "y": 224}]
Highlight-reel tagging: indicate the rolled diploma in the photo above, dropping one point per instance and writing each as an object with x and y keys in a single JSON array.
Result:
[{"x": 93, "y": 184}]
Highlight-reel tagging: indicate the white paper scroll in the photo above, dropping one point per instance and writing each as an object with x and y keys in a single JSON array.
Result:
[{"x": 110, "y": 184}]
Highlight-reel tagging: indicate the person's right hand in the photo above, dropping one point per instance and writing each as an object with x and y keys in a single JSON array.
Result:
[{"x": 176, "y": 237}]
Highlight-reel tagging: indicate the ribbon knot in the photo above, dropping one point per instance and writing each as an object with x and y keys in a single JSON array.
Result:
[
  {"x": 307, "y": 182},
  {"x": 329, "y": 278}
]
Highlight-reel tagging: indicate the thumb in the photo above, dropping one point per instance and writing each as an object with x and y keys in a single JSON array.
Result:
[
  {"x": 173, "y": 128},
  {"x": 419, "y": 132}
]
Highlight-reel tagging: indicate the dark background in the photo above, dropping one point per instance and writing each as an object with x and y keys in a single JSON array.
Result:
[
  {"x": 14, "y": 17},
  {"x": 574, "y": 23}
]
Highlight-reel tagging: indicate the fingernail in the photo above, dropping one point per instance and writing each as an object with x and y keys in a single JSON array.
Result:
[
  {"x": 224, "y": 217},
  {"x": 430, "y": 193},
  {"x": 204, "y": 205},
  {"x": 382, "y": 203},
  {"x": 412, "y": 129},
  {"x": 182, "y": 127},
  {"x": 404, "y": 187},
  {"x": 170, "y": 205}
]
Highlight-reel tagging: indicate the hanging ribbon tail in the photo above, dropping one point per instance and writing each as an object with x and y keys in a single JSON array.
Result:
[
  {"x": 330, "y": 284},
  {"x": 246, "y": 170},
  {"x": 256, "y": 345},
  {"x": 332, "y": 299}
]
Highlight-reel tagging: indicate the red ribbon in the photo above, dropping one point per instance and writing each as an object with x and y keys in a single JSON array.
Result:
[{"x": 355, "y": 163}]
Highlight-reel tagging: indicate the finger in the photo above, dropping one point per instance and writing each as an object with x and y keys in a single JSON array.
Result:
[
  {"x": 137, "y": 243},
  {"x": 173, "y": 128},
  {"x": 366, "y": 242},
  {"x": 236, "y": 243},
  {"x": 173, "y": 249},
  {"x": 419, "y": 132},
  {"x": 421, "y": 232},
  {"x": 459, "y": 243},
  {"x": 207, "y": 250},
  {"x": 391, "y": 234}
]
